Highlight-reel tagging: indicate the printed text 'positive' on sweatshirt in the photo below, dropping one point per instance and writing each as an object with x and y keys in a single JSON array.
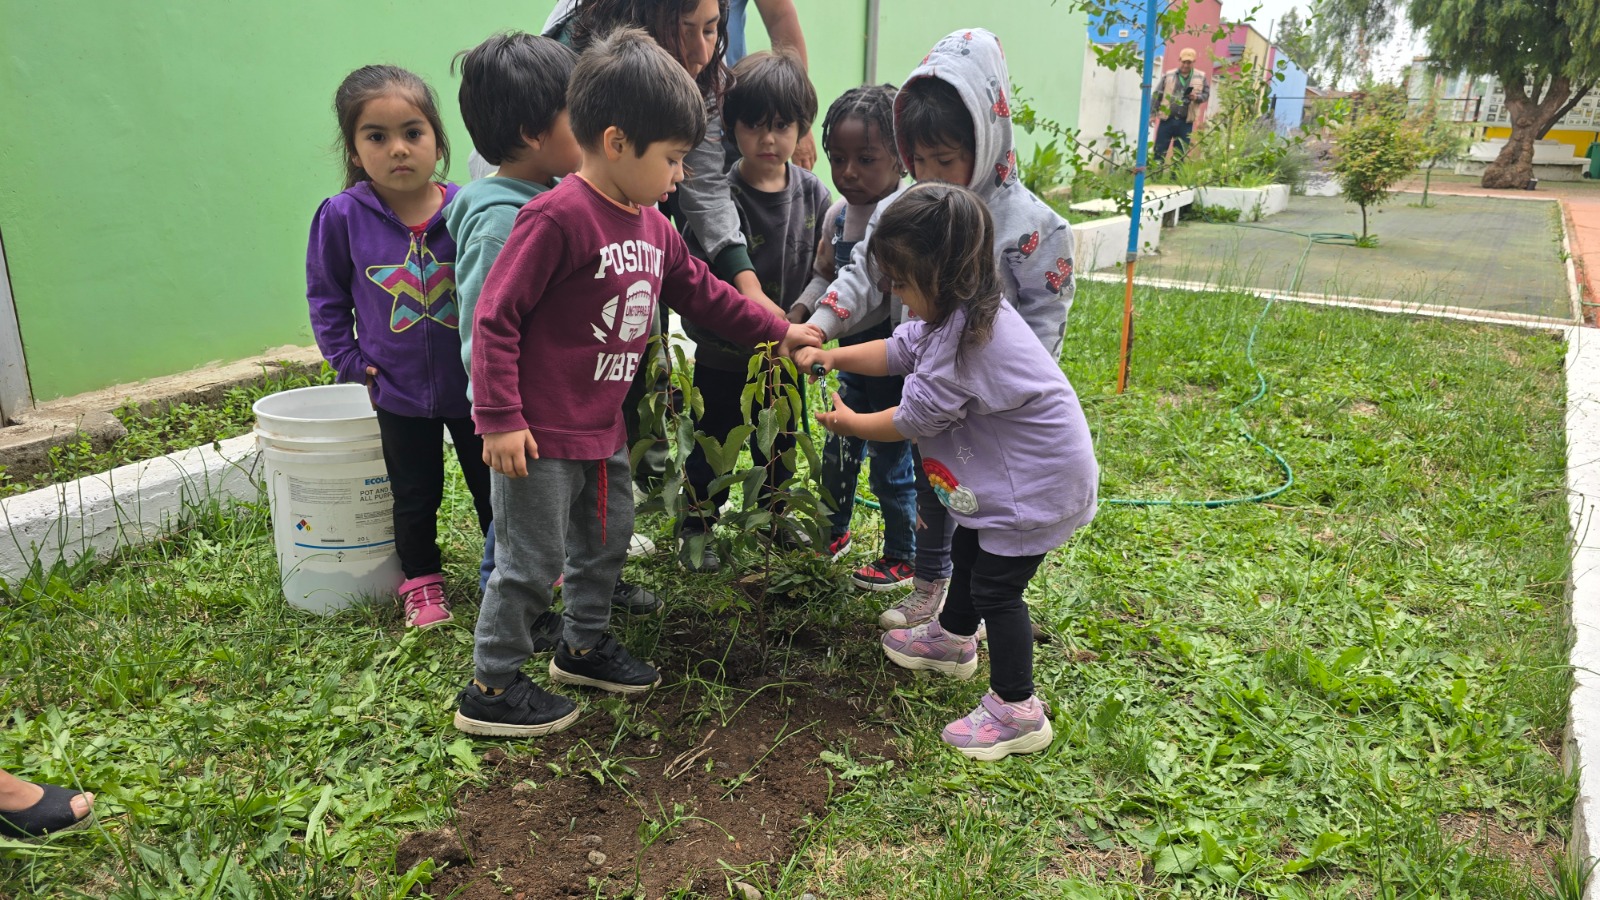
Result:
[{"x": 562, "y": 323}]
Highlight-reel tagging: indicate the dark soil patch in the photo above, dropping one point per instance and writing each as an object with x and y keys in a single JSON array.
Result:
[{"x": 700, "y": 783}]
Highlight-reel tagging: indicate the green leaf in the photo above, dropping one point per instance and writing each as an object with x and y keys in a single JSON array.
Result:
[
  {"x": 1176, "y": 859},
  {"x": 766, "y": 430},
  {"x": 1325, "y": 842}
]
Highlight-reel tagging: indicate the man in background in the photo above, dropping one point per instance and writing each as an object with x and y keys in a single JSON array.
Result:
[{"x": 1176, "y": 104}]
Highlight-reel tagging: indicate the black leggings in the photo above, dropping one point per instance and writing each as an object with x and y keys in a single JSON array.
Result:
[
  {"x": 720, "y": 392},
  {"x": 989, "y": 587},
  {"x": 413, "y": 451}
]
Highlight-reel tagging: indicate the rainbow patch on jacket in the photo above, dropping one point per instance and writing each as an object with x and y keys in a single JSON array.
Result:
[
  {"x": 422, "y": 287},
  {"x": 948, "y": 489}
]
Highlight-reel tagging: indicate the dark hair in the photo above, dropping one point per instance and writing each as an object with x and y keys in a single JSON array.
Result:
[
  {"x": 873, "y": 104},
  {"x": 940, "y": 239},
  {"x": 512, "y": 86},
  {"x": 625, "y": 79},
  {"x": 594, "y": 19},
  {"x": 770, "y": 86},
  {"x": 369, "y": 83},
  {"x": 930, "y": 112}
]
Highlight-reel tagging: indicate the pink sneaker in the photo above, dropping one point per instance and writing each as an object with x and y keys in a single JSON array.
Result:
[
  {"x": 425, "y": 602},
  {"x": 929, "y": 646},
  {"x": 997, "y": 729}
]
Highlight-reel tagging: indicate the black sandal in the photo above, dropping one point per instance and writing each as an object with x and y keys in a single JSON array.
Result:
[{"x": 51, "y": 815}]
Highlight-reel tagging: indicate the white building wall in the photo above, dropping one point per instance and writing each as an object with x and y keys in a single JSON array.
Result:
[{"x": 1109, "y": 100}]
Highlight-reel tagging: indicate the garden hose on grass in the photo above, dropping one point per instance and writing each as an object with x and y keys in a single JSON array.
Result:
[{"x": 1312, "y": 239}]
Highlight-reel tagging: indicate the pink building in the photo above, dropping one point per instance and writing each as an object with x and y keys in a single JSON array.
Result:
[{"x": 1205, "y": 18}]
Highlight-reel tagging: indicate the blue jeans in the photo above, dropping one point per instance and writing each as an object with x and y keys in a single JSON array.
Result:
[
  {"x": 891, "y": 476},
  {"x": 486, "y": 568},
  {"x": 1172, "y": 133}
]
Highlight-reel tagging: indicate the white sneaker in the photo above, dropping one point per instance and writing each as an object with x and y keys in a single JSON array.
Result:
[{"x": 639, "y": 545}]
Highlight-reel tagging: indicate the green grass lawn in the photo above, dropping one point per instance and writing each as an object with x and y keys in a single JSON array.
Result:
[{"x": 1355, "y": 690}]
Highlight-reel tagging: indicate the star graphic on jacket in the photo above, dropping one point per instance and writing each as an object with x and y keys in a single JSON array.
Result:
[{"x": 964, "y": 454}]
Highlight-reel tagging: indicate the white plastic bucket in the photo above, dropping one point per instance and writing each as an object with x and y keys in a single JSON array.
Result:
[{"x": 332, "y": 513}]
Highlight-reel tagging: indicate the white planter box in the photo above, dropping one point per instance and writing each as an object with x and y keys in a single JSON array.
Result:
[
  {"x": 1104, "y": 242},
  {"x": 1253, "y": 204},
  {"x": 125, "y": 507}
]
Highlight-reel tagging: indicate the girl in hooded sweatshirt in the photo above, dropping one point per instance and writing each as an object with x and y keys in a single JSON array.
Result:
[
  {"x": 952, "y": 123},
  {"x": 380, "y": 279},
  {"x": 1001, "y": 436}
]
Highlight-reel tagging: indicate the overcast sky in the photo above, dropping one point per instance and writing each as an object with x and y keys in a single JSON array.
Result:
[{"x": 1388, "y": 61}]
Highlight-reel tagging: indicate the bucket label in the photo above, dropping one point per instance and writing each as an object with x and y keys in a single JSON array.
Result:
[{"x": 353, "y": 517}]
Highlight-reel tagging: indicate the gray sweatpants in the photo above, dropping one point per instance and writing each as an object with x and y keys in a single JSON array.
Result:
[{"x": 548, "y": 524}]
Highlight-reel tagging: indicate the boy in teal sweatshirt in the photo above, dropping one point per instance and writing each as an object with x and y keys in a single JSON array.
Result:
[{"x": 514, "y": 103}]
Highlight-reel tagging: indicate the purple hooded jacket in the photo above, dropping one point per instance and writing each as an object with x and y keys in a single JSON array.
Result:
[
  {"x": 383, "y": 297},
  {"x": 1001, "y": 435}
]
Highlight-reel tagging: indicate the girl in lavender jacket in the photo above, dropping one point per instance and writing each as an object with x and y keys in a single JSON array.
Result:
[{"x": 1003, "y": 442}]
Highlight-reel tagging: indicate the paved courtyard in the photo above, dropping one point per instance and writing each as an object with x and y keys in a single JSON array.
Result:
[{"x": 1488, "y": 253}]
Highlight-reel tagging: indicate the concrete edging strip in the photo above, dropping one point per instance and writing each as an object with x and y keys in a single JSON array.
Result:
[
  {"x": 127, "y": 506},
  {"x": 1582, "y": 750}
]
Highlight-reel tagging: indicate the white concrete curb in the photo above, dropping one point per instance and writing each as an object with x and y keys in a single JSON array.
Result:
[
  {"x": 1583, "y": 501},
  {"x": 124, "y": 507}
]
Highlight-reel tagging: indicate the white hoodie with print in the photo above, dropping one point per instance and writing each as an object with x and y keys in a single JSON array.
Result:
[{"x": 1033, "y": 245}]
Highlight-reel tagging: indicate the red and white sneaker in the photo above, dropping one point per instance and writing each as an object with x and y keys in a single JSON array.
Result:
[
  {"x": 839, "y": 546},
  {"x": 425, "y": 602},
  {"x": 884, "y": 574}
]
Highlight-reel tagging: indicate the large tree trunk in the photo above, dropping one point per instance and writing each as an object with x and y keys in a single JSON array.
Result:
[
  {"x": 1569, "y": 106},
  {"x": 1513, "y": 168}
]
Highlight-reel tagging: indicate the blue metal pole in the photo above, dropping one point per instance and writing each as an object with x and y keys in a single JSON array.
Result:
[
  {"x": 1144, "y": 127},
  {"x": 1140, "y": 163}
]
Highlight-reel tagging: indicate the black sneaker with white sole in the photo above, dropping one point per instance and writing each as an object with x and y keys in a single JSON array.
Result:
[
  {"x": 633, "y": 599},
  {"x": 607, "y": 666},
  {"x": 546, "y": 631},
  {"x": 523, "y": 709}
]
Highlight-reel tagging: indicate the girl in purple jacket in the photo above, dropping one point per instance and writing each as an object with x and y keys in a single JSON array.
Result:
[
  {"x": 380, "y": 278},
  {"x": 1002, "y": 439}
]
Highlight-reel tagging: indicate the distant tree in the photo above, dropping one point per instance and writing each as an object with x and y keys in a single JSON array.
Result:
[
  {"x": 1296, "y": 41},
  {"x": 1544, "y": 53},
  {"x": 1440, "y": 136},
  {"x": 1372, "y": 153},
  {"x": 1344, "y": 33}
]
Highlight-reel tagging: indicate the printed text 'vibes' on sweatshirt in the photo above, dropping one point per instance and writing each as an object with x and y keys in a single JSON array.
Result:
[
  {"x": 384, "y": 296},
  {"x": 563, "y": 320},
  {"x": 1003, "y": 440},
  {"x": 1033, "y": 244}
]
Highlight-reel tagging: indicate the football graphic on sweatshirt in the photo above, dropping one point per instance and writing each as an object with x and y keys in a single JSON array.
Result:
[{"x": 949, "y": 490}]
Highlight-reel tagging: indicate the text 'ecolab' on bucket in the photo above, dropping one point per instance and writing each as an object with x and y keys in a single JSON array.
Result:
[{"x": 332, "y": 511}]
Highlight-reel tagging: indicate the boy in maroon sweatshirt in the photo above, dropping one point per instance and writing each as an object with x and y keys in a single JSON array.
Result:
[{"x": 559, "y": 330}]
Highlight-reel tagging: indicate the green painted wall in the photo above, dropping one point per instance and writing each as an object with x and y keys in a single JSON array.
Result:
[
  {"x": 158, "y": 191},
  {"x": 1044, "y": 42}
]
